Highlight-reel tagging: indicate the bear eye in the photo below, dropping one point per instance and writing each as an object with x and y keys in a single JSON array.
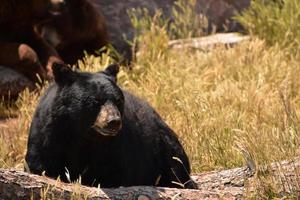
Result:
[
  {"x": 119, "y": 98},
  {"x": 90, "y": 100},
  {"x": 119, "y": 101}
]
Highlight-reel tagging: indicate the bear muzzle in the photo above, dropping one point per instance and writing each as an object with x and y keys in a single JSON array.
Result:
[
  {"x": 109, "y": 120},
  {"x": 57, "y": 7}
]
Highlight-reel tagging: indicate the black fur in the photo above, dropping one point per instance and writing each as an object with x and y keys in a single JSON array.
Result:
[{"x": 62, "y": 138}]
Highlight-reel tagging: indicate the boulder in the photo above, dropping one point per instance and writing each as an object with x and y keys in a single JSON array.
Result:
[
  {"x": 218, "y": 12},
  {"x": 119, "y": 25},
  {"x": 12, "y": 82}
]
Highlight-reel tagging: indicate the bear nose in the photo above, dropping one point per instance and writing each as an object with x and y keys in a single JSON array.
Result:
[
  {"x": 115, "y": 124},
  {"x": 58, "y": 5},
  {"x": 61, "y": 5}
]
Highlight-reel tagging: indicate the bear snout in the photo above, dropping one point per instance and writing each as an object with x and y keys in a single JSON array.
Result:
[
  {"x": 109, "y": 120},
  {"x": 114, "y": 124},
  {"x": 57, "y": 7}
]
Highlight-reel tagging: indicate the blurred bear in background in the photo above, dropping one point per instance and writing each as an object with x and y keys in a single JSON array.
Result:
[
  {"x": 22, "y": 49},
  {"x": 81, "y": 28}
]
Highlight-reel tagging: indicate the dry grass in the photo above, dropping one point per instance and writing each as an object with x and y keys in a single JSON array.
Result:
[
  {"x": 275, "y": 21},
  {"x": 247, "y": 95},
  {"x": 216, "y": 102}
]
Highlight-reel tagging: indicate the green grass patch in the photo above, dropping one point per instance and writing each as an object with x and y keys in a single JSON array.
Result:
[{"x": 276, "y": 22}]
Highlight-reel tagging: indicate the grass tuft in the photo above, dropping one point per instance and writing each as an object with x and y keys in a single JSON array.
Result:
[{"x": 275, "y": 21}]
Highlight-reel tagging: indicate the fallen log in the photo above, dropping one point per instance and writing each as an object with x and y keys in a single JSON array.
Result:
[
  {"x": 207, "y": 43},
  {"x": 226, "y": 184},
  {"x": 285, "y": 176}
]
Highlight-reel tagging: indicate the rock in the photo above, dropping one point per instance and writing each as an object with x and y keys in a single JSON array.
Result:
[
  {"x": 119, "y": 25},
  {"x": 12, "y": 82},
  {"x": 218, "y": 12}
]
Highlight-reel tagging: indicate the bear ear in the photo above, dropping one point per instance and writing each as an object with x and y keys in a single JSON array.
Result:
[
  {"x": 62, "y": 73},
  {"x": 112, "y": 70}
]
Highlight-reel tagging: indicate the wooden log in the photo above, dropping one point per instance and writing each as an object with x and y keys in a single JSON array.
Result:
[
  {"x": 285, "y": 176},
  {"x": 208, "y": 42},
  {"x": 21, "y": 185},
  {"x": 226, "y": 184}
]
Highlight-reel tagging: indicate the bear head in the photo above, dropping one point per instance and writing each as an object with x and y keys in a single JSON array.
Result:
[
  {"x": 88, "y": 102},
  {"x": 20, "y": 10}
]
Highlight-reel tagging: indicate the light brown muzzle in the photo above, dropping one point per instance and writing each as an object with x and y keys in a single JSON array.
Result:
[{"x": 109, "y": 120}]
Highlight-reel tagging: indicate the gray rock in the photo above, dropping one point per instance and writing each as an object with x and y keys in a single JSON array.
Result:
[
  {"x": 218, "y": 12},
  {"x": 12, "y": 82},
  {"x": 118, "y": 22}
]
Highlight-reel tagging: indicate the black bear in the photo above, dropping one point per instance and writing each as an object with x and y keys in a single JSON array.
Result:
[{"x": 86, "y": 126}]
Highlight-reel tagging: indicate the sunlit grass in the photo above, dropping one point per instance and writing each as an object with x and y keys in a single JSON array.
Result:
[
  {"x": 275, "y": 21},
  {"x": 216, "y": 101},
  {"x": 248, "y": 94}
]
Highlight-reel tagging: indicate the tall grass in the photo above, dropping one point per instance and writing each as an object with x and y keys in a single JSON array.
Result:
[
  {"x": 13, "y": 135},
  {"x": 185, "y": 21},
  {"x": 277, "y": 22},
  {"x": 215, "y": 102},
  {"x": 248, "y": 94}
]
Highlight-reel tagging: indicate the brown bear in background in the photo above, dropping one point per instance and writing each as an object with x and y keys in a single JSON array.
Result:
[
  {"x": 81, "y": 28},
  {"x": 21, "y": 48}
]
